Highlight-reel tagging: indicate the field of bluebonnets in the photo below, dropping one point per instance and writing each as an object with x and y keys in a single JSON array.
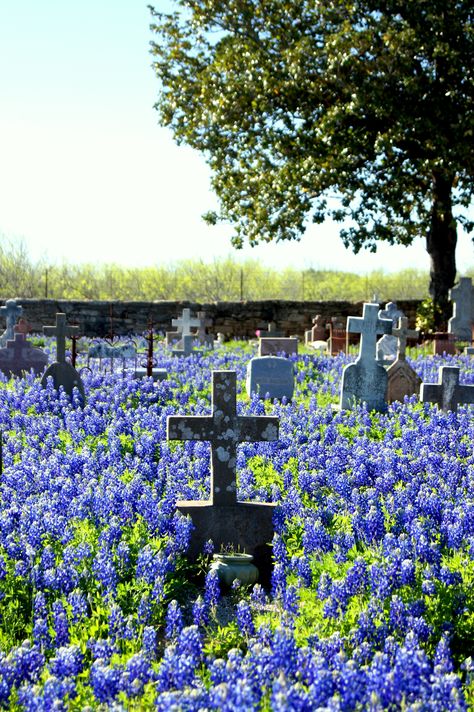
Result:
[{"x": 371, "y": 604}]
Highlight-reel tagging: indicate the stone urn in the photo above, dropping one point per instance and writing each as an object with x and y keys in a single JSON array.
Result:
[{"x": 235, "y": 566}]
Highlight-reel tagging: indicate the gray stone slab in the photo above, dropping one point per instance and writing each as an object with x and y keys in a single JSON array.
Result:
[
  {"x": 462, "y": 296},
  {"x": 10, "y": 312},
  {"x": 187, "y": 348},
  {"x": 365, "y": 380},
  {"x": 269, "y": 346},
  {"x": 448, "y": 393},
  {"x": 104, "y": 350},
  {"x": 272, "y": 375},
  {"x": 19, "y": 357},
  {"x": 63, "y": 374}
]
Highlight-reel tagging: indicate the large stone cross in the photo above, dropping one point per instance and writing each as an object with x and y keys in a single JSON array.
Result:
[
  {"x": 369, "y": 326},
  {"x": 203, "y": 324},
  {"x": 402, "y": 332},
  {"x": 448, "y": 392},
  {"x": 224, "y": 429},
  {"x": 185, "y": 322},
  {"x": 60, "y": 330},
  {"x": 11, "y": 311},
  {"x": 462, "y": 296}
]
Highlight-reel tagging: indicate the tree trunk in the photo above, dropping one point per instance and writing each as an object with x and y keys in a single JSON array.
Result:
[{"x": 441, "y": 246}]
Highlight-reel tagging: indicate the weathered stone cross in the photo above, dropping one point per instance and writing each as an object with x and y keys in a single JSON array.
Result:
[
  {"x": 60, "y": 330},
  {"x": 448, "y": 392},
  {"x": 203, "y": 324},
  {"x": 462, "y": 296},
  {"x": 185, "y": 322},
  {"x": 11, "y": 311},
  {"x": 402, "y": 332},
  {"x": 369, "y": 326},
  {"x": 224, "y": 429}
]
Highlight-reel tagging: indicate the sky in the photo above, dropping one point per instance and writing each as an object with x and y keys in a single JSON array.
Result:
[{"x": 88, "y": 175}]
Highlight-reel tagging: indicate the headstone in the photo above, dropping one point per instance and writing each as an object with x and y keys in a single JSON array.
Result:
[
  {"x": 317, "y": 331},
  {"x": 337, "y": 341},
  {"x": 244, "y": 525},
  {"x": 187, "y": 349},
  {"x": 150, "y": 371},
  {"x": 401, "y": 378},
  {"x": 272, "y": 331},
  {"x": 62, "y": 373},
  {"x": 19, "y": 356},
  {"x": 444, "y": 343},
  {"x": 22, "y": 327},
  {"x": 387, "y": 346},
  {"x": 201, "y": 335},
  {"x": 448, "y": 393},
  {"x": 271, "y": 376},
  {"x": 462, "y": 296},
  {"x": 10, "y": 312},
  {"x": 220, "y": 338},
  {"x": 277, "y": 345},
  {"x": 365, "y": 380},
  {"x": 103, "y": 350}
]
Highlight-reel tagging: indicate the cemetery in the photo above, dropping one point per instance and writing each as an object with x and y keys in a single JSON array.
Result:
[{"x": 199, "y": 526}]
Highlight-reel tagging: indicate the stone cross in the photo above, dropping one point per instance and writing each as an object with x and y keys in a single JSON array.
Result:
[
  {"x": 369, "y": 325},
  {"x": 462, "y": 296},
  {"x": 448, "y": 392},
  {"x": 185, "y": 322},
  {"x": 187, "y": 349},
  {"x": 402, "y": 332},
  {"x": 18, "y": 345},
  {"x": 224, "y": 429},
  {"x": 11, "y": 311},
  {"x": 60, "y": 330}
]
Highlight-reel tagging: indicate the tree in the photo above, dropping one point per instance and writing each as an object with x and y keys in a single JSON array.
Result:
[{"x": 360, "y": 110}]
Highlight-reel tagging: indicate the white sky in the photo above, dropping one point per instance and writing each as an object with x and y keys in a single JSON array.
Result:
[{"x": 86, "y": 173}]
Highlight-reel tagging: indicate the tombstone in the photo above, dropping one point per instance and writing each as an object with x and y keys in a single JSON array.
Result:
[
  {"x": 246, "y": 526},
  {"x": 62, "y": 373},
  {"x": 444, "y": 343},
  {"x": 201, "y": 335},
  {"x": 365, "y": 380},
  {"x": 22, "y": 327},
  {"x": 187, "y": 348},
  {"x": 277, "y": 345},
  {"x": 337, "y": 341},
  {"x": 271, "y": 332},
  {"x": 19, "y": 356},
  {"x": 157, "y": 374},
  {"x": 317, "y": 331},
  {"x": 270, "y": 375},
  {"x": 11, "y": 311},
  {"x": 448, "y": 393},
  {"x": 462, "y": 296},
  {"x": 387, "y": 346},
  {"x": 402, "y": 380}
]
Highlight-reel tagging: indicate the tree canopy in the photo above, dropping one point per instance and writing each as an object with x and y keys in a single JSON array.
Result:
[{"x": 362, "y": 111}]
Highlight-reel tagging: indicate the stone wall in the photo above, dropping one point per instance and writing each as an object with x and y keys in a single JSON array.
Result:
[{"x": 234, "y": 319}]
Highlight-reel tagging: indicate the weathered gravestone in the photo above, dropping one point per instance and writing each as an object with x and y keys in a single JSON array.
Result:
[
  {"x": 19, "y": 356},
  {"x": 187, "y": 348},
  {"x": 276, "y": 345},
  {"x": 462, "y": 296},
  {"x": 62, "y": 373},
  {"x": 271, "y": 376},
  {"x": 337, "y": 341},
  {"x": 22, "y": 327},
  {"x": 183, "y": 326},
  {"x": 201, "y": 335},
  {"x": 365, "y": 380},
  {"x": 272, "y": 331},
  {"x": 10, "y": 312},
  {"x": 401, "y": 378},
  {"x": 121, "y": 352},
  {"x": 448, "y": 393},
  {"x": 387, "y": 346},
  {"x": 244, "y": 525},
  {"x": 317, "y": 331}
]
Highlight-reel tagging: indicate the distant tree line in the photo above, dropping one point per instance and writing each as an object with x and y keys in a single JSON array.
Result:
[{"x": 196, "y": 280}]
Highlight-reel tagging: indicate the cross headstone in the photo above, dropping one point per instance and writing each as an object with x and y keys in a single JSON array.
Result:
[
  {"x": 462, "y": 296},
  {"x": 387, "y": 345},
  {"x": 187, "y": 348},
  {"x": 401, "y": 378},
  {"x": 184, "y": 322},
  {"x": 20, "y": 356},
  {"x": 10, "y": 312},
  {"x": 201, "y": 335},
  {"x": 223, "y": 518},
  {"x": 62, "y": 373},
  {"x": 365, "y": 380},
  {"x": 448, "y": 393},
  {"x": 60, "y": 330}
]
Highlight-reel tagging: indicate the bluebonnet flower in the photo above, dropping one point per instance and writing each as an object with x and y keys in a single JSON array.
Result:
[
  {"x": 174, "y": 620},
  {"x": 244, "y": 618}
]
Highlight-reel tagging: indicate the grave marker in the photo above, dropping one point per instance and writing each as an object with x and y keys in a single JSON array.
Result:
[
  {"x": 401, "y": 378},
  {"x": 20, "y": 356},
  {"x": 337, "y": 341},
  {"x": 223, "y": 518},
  {"x": 387, "y": 346},
  {"x": 275, "y": 345},
  {"x": 448, "y": 393},
  {"x": 444, "y": 343},
  {"x": 62, "y": 373},
  {"x": 187, "y": 348},
  {"x": 462, "y": 296},
  {"x": 270, "y": 375},
  {"x": 10, "y": 312},
  {"x": 201, "y": 335},
  {"x": 365, "y": 380}
]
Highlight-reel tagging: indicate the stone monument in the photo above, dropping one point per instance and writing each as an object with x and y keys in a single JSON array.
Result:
[
  {"x": 401, "y": 378},
  {"x": 461, "y": 323},
  {"x": 387, "y": 346},
  {"x": 272, "y": 376},
  {"x": 11, "y": 311},
  {"x": 448, "y": 393},
  {"x": 62, "y": 373},
  {"x": 19, "y": 356}
]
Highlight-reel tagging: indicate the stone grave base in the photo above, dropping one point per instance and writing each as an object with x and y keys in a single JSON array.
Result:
[
  {"x": 246, "y": 526},
  {"x": 158, "y": 374}
]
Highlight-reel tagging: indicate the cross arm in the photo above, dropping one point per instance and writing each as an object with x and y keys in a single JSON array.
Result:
[
  {"x": 189, "y": 427},
  {"x": 255, "y": 428}
]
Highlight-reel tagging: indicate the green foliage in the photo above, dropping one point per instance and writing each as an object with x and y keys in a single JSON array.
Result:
[{"x": 427, "y": 316}]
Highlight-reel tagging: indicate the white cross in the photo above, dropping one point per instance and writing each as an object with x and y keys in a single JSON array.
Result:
[
  {"x": 185, "y": 322},
  {"x": 369, "y": 325}
]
